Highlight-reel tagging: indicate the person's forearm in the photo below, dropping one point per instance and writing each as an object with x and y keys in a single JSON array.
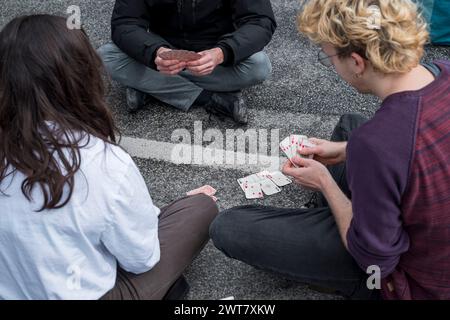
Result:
[
  {"x": 343, "y": 152},
  {"x": 340, "y": 205}
]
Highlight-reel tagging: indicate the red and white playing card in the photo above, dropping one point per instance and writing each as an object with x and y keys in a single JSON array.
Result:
[
  {"x": 293, "y": 143},
  {"x": 264, "y": 182},
  {"x": 269, "y": 187},
  {"x": 306, "y": 144},
  {"x": 279, "y": 179},
  {"x": 263, "y": 174},
  {"x": 253, "y": 191},
  {"x": 296, "y": 142},
  {"x": 285, "y": 146},
  {"x": 250, "y": 179}
]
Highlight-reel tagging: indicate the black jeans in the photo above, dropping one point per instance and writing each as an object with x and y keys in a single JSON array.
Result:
[{"x": 300, "y": 244}]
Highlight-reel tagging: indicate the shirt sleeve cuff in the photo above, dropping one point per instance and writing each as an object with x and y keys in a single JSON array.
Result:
[
  {"x": 365, "y": 259},
  {"x": 227, "y": 54}
]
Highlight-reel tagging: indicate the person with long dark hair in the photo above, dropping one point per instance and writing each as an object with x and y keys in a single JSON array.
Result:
[{"x": 76, "y": 217}]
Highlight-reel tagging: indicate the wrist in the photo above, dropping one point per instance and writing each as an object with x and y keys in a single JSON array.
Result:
[
  {"x": 343, "y": 152},
  {"x": 161, "y": 50},
  {"x": 326, "y": 182},
  {"x": 220, "y": 57}
]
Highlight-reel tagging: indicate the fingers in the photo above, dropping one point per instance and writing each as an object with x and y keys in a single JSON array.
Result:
[
  {"x": 317, "y": 141},
  {"x": 287, "y": 168},
  {"x": 301, "y": 162},
  {"x": 166, "y": 63},
  {"x": 200, "y": 62},
  {"x": 309, "y": 151},
  {"x": 171, "y": 69},
  {"x": 203, "y": 72},
  {"x": 201, "y": 68}
]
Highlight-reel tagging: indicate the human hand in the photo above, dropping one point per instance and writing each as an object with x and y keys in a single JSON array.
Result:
[
  {"x": 207, "y": 63},
  {"x": 169, "y": 67},
  {"x": 310, "y": 174},
  {"x": 326, "y": 152}
]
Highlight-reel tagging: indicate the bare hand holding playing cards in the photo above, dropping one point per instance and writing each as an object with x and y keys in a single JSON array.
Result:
[
  {"x": 172, "y": 62},
  {"x": 307, "y": 160},
  {"x": 324, "y": 151},
  {"x": 294, "y": 144}
]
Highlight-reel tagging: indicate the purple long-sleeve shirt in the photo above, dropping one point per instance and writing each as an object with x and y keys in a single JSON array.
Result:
[
  {"x": 378, "y": 157},
  {"x": 401, "y": 207}
]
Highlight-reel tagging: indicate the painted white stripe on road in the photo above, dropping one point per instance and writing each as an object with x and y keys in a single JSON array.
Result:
[
  {"x": 200, "y": 156},
  {"x": 220, "y": 158}
]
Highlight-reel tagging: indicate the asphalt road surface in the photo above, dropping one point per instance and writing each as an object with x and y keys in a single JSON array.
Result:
[{"x": 300, "y": 97}]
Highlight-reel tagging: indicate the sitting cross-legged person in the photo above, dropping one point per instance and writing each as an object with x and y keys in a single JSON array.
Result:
[
  {"x": 228, "y": 37},
  {"x": 384, "y": 204}
]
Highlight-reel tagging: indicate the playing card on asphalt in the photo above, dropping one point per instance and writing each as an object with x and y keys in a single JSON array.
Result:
[
  {"x": 269, "y": 187},
  {"x": 253, "y": 191},
  {"x": 249, "y": 179},
  {"x": 279, "y": 179}
]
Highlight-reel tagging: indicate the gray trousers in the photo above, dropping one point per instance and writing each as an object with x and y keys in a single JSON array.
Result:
[
  {"x": 183, "y": 232},
  {"x": 182, "y": 90}
]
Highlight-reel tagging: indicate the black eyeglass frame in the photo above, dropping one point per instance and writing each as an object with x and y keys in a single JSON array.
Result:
[{"x": 324, "y": 59}]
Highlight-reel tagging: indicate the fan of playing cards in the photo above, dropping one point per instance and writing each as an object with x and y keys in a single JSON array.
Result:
[
  {"x": 270, "y": 183},
  {"x": 294, "y": 143},
  {"x": 263, "y": 183},
  {"x": 180, "y": 55},
  {"x": 267, "y": 183}
]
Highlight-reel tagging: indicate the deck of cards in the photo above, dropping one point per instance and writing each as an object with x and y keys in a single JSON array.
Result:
[
  {"x": 180, "y": 55},
  {"x": 267, "y": 183},
  {"x": 294, "y": 143}
]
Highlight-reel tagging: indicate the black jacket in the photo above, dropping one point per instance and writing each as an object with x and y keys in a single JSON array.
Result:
[{"x": 240, "y": 27}]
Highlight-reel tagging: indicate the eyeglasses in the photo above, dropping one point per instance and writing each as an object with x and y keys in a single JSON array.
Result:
[{"x": 324, "y": 59}]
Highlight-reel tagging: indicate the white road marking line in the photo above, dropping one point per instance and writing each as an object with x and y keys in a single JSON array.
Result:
[
  {"x": 165, "y": 151},
  {"x": 220, "y": 158}
]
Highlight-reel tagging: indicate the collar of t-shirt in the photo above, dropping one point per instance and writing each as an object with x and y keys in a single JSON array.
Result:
[{"x": 433, "y": 68}]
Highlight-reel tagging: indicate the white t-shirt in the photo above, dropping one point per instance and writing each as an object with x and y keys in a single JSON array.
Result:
[{"x": 72, "y": 252}]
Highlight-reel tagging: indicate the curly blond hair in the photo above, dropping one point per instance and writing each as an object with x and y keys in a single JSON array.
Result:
[{"x": 395, "y": 45}]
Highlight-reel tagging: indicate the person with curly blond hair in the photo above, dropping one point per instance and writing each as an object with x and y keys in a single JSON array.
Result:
[{"x": 382, "y": 217}]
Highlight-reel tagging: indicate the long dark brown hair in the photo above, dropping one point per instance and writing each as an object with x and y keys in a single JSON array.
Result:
[{"x": 51, "y": 101}]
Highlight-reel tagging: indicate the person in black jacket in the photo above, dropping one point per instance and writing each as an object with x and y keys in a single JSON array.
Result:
[{"x": 229, "y": 35}]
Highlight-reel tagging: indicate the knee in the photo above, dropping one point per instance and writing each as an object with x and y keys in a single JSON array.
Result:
[
  {"x": 349, "y": 117},
  {"x": 261, "y": 67},
  {"x": 206, "y": 207},
  {"x": 108, "y": 53},
  {"x": 106, "y": 50},
  {"x": 216, "y": 231},
  {"x": 351, "y": 120},
  {"x": 223, "y": 230}
]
